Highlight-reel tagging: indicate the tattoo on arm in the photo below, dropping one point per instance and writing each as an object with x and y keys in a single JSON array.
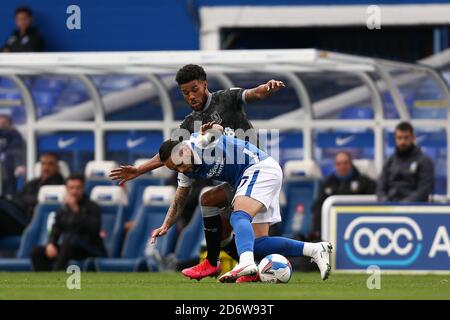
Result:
[{"x": 177, "y": 206}]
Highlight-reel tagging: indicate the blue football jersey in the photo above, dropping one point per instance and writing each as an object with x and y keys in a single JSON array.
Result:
[{"x": 224, "y": 159}]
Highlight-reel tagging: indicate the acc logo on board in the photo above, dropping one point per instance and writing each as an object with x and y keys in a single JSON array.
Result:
[{"x": 383, "y": 241}]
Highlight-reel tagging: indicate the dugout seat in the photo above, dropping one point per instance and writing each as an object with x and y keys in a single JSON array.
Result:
[
  {"x": 190, "y": 239},
  {"x": 50, "y": 199},
  {"x": 137, "y": 186},
  {"x": 136, "y": 255},
  {"x": 97, "y": 174},
  {"x": 63, "y": 169},
  {"x": 357, "y": 112},
  {"x": 187, "y": 244},
  {"x": 112, "y": 201},
  {"x": 301, "y": 181},
  {"x": 366, "y": 167}
]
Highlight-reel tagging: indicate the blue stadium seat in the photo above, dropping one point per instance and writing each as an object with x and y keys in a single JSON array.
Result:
[
  {"x": 327, "y": 166},
  {"x": 112, "y": 200},
  {"x": 49, "y": 200},
  {"x": 9, "y": 243},
  {"x": 429, "y": 113},
  {"x": 170, "y": 243},
  {"x": 300, "y": 187},
  {"x": 70, "y": 98},
  {"x": 190, "y": 239},
  {"x": 440, "y": 185},
  {"x": 137, "y": 186},
  {"x": 357, "y": 113},
  {"x": 113, "y": 83},
  {"x": 155, "y": 203},
  {"x": 6, "y": 83},
  {"x": 136, "y": 189},
  {"x": 63, "y": 168},
  {"x": 45, "y": 101},
  {"x": 52, "y": 83},
  {"x": 97, "y": 173}
]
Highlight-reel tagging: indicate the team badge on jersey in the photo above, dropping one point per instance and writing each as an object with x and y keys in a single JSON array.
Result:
[
  {"x": 413, "y": 167},
  {"x": 354, "y": 186},
  {"x": 215, "y": 116}
]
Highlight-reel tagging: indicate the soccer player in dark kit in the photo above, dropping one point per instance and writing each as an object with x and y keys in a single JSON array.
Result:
[{"x": 225, "y": 107}]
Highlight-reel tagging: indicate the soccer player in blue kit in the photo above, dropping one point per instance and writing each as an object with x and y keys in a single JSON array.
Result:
[{"x": 257, "y": 178}]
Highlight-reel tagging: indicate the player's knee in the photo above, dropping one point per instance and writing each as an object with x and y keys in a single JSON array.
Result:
[
  {"x": 212, "y": 198},
  {"x": 206, "y": 199},
  {"x": 260, "y": 230}
]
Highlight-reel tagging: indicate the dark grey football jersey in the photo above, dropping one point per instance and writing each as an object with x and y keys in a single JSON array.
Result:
[{"x": 225, "y": 107}]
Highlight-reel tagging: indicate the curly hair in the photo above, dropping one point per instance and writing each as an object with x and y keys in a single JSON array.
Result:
[{"x": 190, "y": 72}]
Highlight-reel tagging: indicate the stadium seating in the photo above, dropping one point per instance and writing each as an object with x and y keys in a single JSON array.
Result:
[
  {"x": 136, "y": 255},
  {"x": 97, "y": 173},
  {"x": 366, "y": 167},
  {"x": 63, "y": 169},
  {"x": 187, "y": 244},
  {"x": 49, "y": 200},
  {"x": 357, "y": 113},
  {"x": 137, "y": 186},
  {"x": 301, "y": 183},
  {"x": 190, "y": 239},
  {"x": 112, "y": 200},
  {"x": 9, "y": 244}
]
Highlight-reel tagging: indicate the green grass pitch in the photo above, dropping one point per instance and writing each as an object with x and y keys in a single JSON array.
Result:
[{"x": 174, "y": 286}]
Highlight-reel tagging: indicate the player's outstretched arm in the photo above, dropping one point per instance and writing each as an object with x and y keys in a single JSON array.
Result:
[
  {"x": 126, "y": 173},
  {"x": 263, "y": 91},
  {"x": 174, "y": 212}
]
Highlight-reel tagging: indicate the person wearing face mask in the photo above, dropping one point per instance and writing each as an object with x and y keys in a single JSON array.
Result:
[
  {"x": 25, "y": 38},
  {"x": 408, "y": 174},
  {"x": 345, "y": 180}
]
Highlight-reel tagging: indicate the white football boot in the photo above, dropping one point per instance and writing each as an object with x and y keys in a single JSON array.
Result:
[{"x": 321, "y": 257}]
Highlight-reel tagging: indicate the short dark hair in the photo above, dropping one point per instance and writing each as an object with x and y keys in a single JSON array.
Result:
[
  {"x": 76, "y": 176},
  {"x": 190, "y": 72},
  {"x": 50, "y": 154},
  {"x": 405, "y": 126},
  {"x": 23, "y": 9},
  {"x": 165, "y": 150}
]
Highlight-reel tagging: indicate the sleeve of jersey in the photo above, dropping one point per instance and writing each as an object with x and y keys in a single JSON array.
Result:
[
  {"x": 237, "y": 97},
  {"x": 184, "y": 181}
]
